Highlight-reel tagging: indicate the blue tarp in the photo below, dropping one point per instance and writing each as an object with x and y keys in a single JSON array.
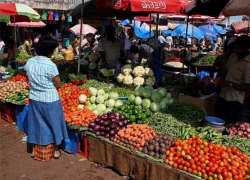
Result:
[
  {"x": 125, "y": 22},
  {"x": 71, "y": 145},
  {"x": 192, "y": 31},
  {"x": 142, "y": 30},
  {"x": 209, "y": 34},
  {"x": 171, "y": 32},
  {"x": 214, "y": 28}
]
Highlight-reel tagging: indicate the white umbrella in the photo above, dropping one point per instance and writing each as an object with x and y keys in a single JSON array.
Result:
[
  {"x": 236, "y": 8},
  {"x": 86, "y": 29}
]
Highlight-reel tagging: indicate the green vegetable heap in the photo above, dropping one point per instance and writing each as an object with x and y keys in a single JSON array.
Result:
[
  {"x": 123, "y": 92},
  {"x": 80, "y": 77},
  {"x": 23, "y": 57},
  {"x": 57, "y": 57},
  {"x": 96, "y": 84},
  {"x": 204, "y": 60},
  {"x": 18, "y": 97},
  {"x": 188, "y": 112},
  {"x": 135, "y": 113},
  {"x": 165, "y": 123}
]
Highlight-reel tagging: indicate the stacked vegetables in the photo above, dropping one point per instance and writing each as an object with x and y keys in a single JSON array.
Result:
[
  {"x": 137, "y": 76},
  {"x": 133, "y": 112},
  {"x": 122, "y": 91},
  {"x": 157, "y": 147},
  {"x": 57, "y": 57},
  {"x": 23, "y": 57},
  {"x": 108, "y": 125},
  {"x": 204, "y": 60},
  {"x": 135, "y": 136},
  {"x": 92, "y": 59},
  {"x": 165, "y": 123},
  {"x": 70, "y": 97},
  {"x": 18, "y": 97},
  {"x": 8, "y": 88},
  {"x": 157, "y": 100},
  {"x": 240, "y": 129},
  {"x": 81, "y": 117},
  {"x": 97, "y": 85},
  {"x": 101, "y": 102},
  {"x": 208, "y": 160},
  {"x": 20, "y": 77},
  {"x": 183, "y": 111}
]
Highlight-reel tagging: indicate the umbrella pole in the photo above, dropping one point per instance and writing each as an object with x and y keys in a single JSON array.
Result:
[
  {"x": 15, "y": 43},
  {"x": 149, "y": 36},
  {"x": 185, "y": 45},
  {"x": 156, "y": 33},
  {"x": 80, "y": 43}
]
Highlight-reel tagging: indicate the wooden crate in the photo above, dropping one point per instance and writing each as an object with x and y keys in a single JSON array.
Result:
[{"x": 206, "y": 102}]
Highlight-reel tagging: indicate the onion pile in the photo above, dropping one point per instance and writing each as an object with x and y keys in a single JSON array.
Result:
[
  {"x": 108, "y": 125},
  {"x": 240, "y": 129},
  {"x": 157, "y": 147}
]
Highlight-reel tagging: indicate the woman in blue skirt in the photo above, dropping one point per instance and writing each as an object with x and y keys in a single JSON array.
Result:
[{"x": 46, "y": 124}]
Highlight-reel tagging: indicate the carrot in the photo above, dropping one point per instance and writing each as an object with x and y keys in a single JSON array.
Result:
[{"x": 142, "y": 142}]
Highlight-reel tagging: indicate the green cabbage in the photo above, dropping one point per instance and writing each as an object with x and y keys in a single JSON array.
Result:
[
  {"x": 100, "y": 99},
  {"x": 101, "y": 107},
  {"x": 163, "y": 105},
  {"x": 93, "y": 91},
  {"x": 139, "y": 90},
  {"x": 131, "y": 97},
  {"x": 146, "y": 93},
  {"x": 156, "y": 97},
  {"x": 118, "y": 103},
  {"x": 138, "y": 100},
  {"x": 168, "y": 95},
  {"x": 146, "y": 103},
  {"x": 155, "y": 107},
  {"x": 113, "y": 95},
  {"x": 110, "y": 103},
  {"x": 100, "y": 92},
  {"x": 92, "y": 99},
  {"x": 149, "y": 87},
  {"x": 106, "y": 96},
  {"x": 162, "y": 91}
]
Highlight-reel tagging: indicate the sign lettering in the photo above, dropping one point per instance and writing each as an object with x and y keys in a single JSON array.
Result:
[{"x": 153, "y": 5}]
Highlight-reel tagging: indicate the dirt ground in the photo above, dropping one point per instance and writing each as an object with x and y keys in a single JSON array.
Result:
[{"x": 16, "y": 163}]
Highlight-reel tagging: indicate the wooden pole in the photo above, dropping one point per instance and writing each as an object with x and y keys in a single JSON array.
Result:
[
  {"x": 149, "y": 36},
  {"x": 156, "y": 33},
  {"x": 80, "y": 43},
  {"x": 185, "y": 45}
]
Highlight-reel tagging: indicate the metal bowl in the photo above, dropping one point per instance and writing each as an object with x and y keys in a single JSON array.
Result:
[{"x": 189, "y": 78}]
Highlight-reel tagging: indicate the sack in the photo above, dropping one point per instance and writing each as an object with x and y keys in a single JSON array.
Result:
[{"x": 44, "y": 153}]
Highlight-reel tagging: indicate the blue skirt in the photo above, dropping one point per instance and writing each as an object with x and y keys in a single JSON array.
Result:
[{"x": 46, "y": 123}]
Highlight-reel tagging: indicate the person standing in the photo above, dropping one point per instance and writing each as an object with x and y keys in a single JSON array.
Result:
[
  {"x": 26, "y": 48},
  {"x": 2, "y": 44},
  {"x": 161, "y": 40},
  {"x": 214, "y": 45},
  {"x": 122, "y": 37},
  {"x": 219, "y": 41},
  {"x": 129, "y": 41},
  {"x": 46, "y": 123},
  {"x": 111, "y": 50},
  {"x": 169, "y": 40},
  {"x": 236, "y": 82}
]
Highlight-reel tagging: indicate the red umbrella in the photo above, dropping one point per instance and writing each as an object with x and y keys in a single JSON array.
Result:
[
  {"x": 195, "y": 18},
  {"x": 241, "y": 27},
  {"x": 150, "y": 6}
]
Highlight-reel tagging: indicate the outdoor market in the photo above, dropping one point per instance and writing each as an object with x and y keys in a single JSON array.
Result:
[{"x": 152, "y": 89}]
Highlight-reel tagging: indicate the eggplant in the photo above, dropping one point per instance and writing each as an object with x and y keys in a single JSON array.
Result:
[
  {"x": 121, "y": 124},
  {"x": 112, "y": 132},
  {"x": 107, "y": 129},
  {"x": 102, "y": 133},
  {"x": 122, "y": 117},
  {"x": 112, "y": 117},
  {"x": 117, "y": 128},
  {"x": 101, "y": 122},
  {"x": 92, "y": 125},
  {"x": 98, "y": 133},
  {"x": 106, "y": 123},
  {"x": 113, "y": 125},
  {"x": 97, "y": 128},
  {"x": 107, "y": 135},
  {"x": 97, "y": 120},
  {"x": 102, "y": 128}
]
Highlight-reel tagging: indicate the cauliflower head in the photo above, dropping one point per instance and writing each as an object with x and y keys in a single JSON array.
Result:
[
  {"x": 128, "y": 80},
  {"x": 120, "y": 78},
  {"x": 150, "y": 81},
  {"x": 92, "y": 65},
  {"x": 127, "y": 69},
  {"x": 93, "y": 57},
  {"x": 139, "y": 71},
  {"x": 149, "y": 72},
  {"x": 139, "y": 81}
]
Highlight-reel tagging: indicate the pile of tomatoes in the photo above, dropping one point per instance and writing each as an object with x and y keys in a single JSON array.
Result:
[
  {"x": 20, "y": 77},
  {"x": 207, "y": 160},
  {"x": 69, "y": 96}
]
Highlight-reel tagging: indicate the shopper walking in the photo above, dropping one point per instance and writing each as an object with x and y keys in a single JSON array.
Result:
[
  {"x": 169, "y": 42},
  {"x": 46, "y": 124},
  {"x": 2, "y": 44}
]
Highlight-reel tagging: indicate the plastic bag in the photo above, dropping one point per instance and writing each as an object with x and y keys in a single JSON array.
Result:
[{"x": 70, "y": 145}]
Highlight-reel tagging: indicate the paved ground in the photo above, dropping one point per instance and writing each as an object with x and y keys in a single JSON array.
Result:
[{"x": 16, "y": 163}]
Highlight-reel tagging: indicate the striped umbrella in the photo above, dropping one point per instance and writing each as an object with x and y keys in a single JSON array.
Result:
[
  {"x": 28, "y": 24},
  {"x": 15, "y": 12}
]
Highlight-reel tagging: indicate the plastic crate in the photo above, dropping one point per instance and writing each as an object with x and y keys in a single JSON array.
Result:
[
  {"x": 83, "y": 146},
  {"x": 8, "y": 115}
]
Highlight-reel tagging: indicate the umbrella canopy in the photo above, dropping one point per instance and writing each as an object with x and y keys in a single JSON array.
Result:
[
  {"x": 142, "y": 30},
  {"x": 86, "y": 29},
  {"x": 192, "y": 31},
  {"x": 171, "y": 32},
  {"x": 152, "y": 6},
  {"x": 206, "y": 7},
  {"x": 213, "y": 28},
  {"x": 209, "y": 34},
  {"x": 195, "y": 18},
  {"x": 144, "y": 19},
  {"x": 241, "y": 27},
  {"x": 28, "y": 24},
  {"x": 20, "y": 12},
  {"x": 237, "y": 7}
]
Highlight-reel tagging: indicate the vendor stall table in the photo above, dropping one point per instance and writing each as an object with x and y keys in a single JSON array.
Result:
[
  {"x": 127, "y": 163},
  {"x": 206, "y": 102}
]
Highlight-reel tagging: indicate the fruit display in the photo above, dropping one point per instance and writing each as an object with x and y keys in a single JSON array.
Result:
[
  {"x": 165, "y": 123},
  {"x": 137, "y": 76},
  {"x": 108, "y": 125},
  {"x": 8, "y": 88},
  {"x": 81, "y": 117},
  {"x": 131, "y": 111},
  {"x": 101, "y": 102},
  {"x": 240, "y": 129},
  {"x": 183, "y": 111},
  {"x": 135, "y": 136},
  {"x": 207, "y": 160},
  {"x": 18, "y": 97},
  {"x": 157, "y": 147},
  {"x": 20, "y": 77},
  {"x": 155, "y": 100},
  {"x": 70, "y": 97}
]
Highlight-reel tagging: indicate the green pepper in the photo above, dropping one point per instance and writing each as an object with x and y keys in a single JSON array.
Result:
[{"x": 133, "y": 118}]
